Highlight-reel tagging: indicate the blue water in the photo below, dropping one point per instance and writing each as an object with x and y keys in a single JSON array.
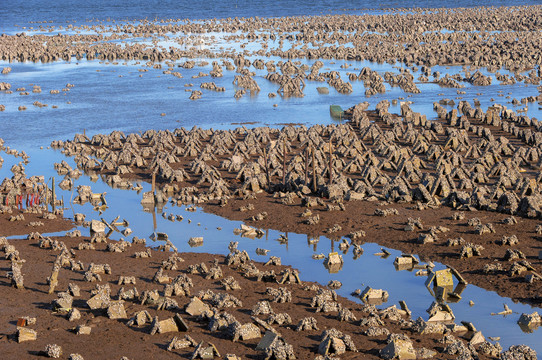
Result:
[
  {"x": 62, "y": 12},
  {"x": 109, "y": 97}
]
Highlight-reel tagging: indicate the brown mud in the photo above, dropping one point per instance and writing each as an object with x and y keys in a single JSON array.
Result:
[{"x": 113, "y": 338}]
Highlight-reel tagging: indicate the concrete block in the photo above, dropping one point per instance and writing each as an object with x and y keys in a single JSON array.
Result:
[
  {"x": 116, "y": 310},
  {"x": 404, "y": 307},
  {"x": 268, "y": 339},
  {"x": 97, "y": 226},
  {"x": 334, "y": 269},
  {"x": 196, "y": 307},
  {"x": 441, "y": 316},
  {"x": 26, "y": 334},
  {"x": 63, "y": 303},
  {"x": 398, "y": 349},
  {"x": 333, "y": 259},
  {"x": 195, "y": 241},
  {"x": 442, "y": 292},
  {"x": 530, "y": 320},
  {"x": 148, "y": 198},
  {"x": 183, "y": 343},
  {"x": 181, "y": 324},
  {"x": 250, "y": 331},
  {"x": 205, "y": 352},
  {"x": 477, "y": 338},
  {"x": 167, "y": 325},
  {"x": 373, "y": 294},
  {"x": 53, "y": 351},
  {"x": 83, "y": 330},
  {"x": 98, "y": 301},
  {"x": 401, "y": 260},
  {"x": 458, "y": 276},
  {"x": 74, "y": 315},
  {"x": 430, "y": 279},
  {"x": 141, "y": 318},
  {"x": 444, "y": 278},
  {"x": 332, "y": 345}
]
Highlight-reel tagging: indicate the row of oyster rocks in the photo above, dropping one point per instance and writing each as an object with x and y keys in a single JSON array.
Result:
[
  {"x": 291, "y": 77},
  {"x": 457, "y": 161},
  {"x": 477, "y": 36}
]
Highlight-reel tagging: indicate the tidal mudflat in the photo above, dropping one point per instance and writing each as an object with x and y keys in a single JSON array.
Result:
[{"x": 201, "y": 174}]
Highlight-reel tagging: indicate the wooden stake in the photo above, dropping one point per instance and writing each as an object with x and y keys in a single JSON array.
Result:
[
  {"x": 46, "y": 196},
  {"x": 154, "y": 220},
  {"x": 313, "y": 170},
  {"x": 330, "y": 163},
  {"x": 53, "y": 195},
  {"x": 284, "y": 163},
  {"x": 153, "y": 182},
  {"x": 306, "y": 164},
  {"x": 266, "y": 169}
]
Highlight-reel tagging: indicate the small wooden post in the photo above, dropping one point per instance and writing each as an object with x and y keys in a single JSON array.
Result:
[
  {"x": 330, "y": 162},
  {"x": 53, "y": 195},
  {"x": 284, "y": 163},
  {"x": 153, "y": 182},
  {"x": 154, "y": 220},
  {"x": 306, "y": 164},
  {"x": 313, "y": 170},
  {"x": 266, "y": 169}
]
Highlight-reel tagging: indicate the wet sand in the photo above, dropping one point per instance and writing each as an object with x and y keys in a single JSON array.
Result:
[{"x": 24, "y": 227}]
